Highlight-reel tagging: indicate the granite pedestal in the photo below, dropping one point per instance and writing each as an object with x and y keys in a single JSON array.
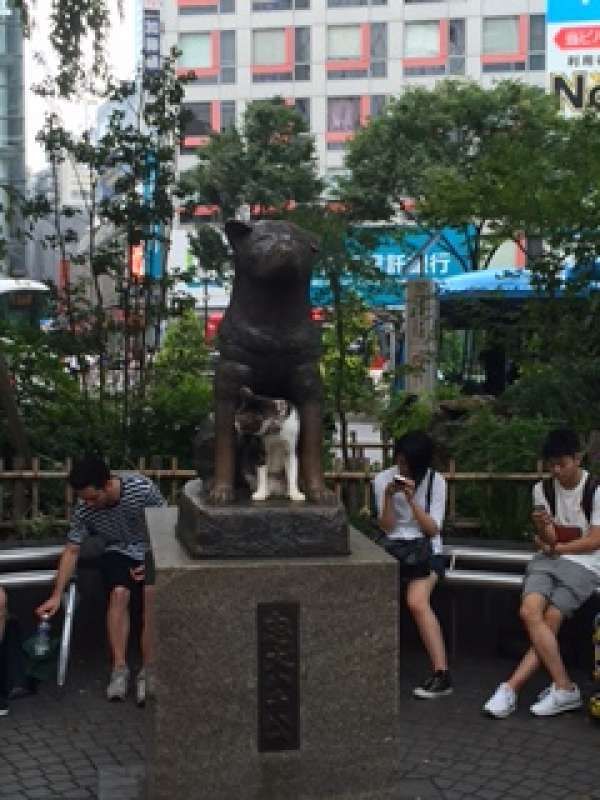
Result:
[
  {"x": 277, "y": 679},
  {"x": 275, "y": 528}
]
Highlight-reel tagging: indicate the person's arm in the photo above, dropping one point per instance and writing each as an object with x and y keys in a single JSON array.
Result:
[
  {"x": 585, "y": 544},
  {"x": 387, "y": 515},
  {"x": 429, "y": 522},
  {"x": 543, "y": 523},
  {"x": 66, "y": 567}
]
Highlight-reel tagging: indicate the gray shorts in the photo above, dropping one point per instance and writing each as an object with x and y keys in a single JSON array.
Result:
[{"x": 564, "y": 583}]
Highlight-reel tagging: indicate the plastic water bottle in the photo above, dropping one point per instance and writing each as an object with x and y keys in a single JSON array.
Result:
[{"x": 41, "y": 646}]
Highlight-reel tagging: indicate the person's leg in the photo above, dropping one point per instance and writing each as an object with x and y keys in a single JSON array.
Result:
[
  {"x": 530, "y": 662},
  {"x": 418, "y": 594},
  {"x": 543, "y": 638},
  {"x": 118, "y": 625},
  {"x": 3, "y": 612},
  {"x": 147, "y": 641},
  {"x": 3, "y": 656}
]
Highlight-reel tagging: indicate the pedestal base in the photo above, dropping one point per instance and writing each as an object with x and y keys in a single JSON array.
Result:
[
  {"x": 275, "y": 678},
  {"x": 273, "y": 529}
]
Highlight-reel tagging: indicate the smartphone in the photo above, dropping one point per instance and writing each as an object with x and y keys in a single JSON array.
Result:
[
  {"x": 400, "y": 479},
  {"x": 539, "y": 508}
]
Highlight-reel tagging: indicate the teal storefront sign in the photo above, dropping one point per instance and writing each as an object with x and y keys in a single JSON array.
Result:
[{"x": 402, "y": 258}]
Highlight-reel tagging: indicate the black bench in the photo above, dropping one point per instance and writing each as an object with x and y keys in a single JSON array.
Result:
[{"x": 470, "y": 566}]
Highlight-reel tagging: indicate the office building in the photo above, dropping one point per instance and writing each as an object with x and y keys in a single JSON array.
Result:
[
  {"x": 338, "y": 61},
  {"x": 12, "y": 133}
]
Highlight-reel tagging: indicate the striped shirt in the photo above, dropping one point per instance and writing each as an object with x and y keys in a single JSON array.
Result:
[{"x": 122, "y": 526}]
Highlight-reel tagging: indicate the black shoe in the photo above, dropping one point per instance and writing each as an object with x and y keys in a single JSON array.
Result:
[
  {"x": 3, "y": 706},
  {"x": 438, "y": 685}
]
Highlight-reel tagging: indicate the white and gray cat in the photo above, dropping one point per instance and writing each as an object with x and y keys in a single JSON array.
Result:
[{"x": 273, "y": 424}]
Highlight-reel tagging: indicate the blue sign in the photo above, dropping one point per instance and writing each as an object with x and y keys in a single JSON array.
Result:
[
  {"x": 415, "y": 254},
  {"x": 573, "y": 11}
]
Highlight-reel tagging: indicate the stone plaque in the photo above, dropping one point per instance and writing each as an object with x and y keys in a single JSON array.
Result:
[{"x": 278, "y": 677}]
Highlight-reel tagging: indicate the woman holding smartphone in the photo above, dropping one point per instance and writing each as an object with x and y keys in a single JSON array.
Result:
[{"x": 411, "y": 504}]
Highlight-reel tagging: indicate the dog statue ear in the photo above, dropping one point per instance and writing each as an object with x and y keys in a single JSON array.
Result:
[{"x": 236, "y": 230}]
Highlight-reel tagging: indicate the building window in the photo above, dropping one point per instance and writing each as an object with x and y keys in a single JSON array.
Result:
[
  {"x": 151, "y": 40},
  {"x": 505, "y": 42},
  {"x": 204, "y": 119},
  {"x": 227, "y": 57},
  {"x": 346, "y": 3},
  {"x": 302, "y": 54},
  {"x": 279, "y": 5},
  {"x": 537, "y": 42},
  {"x": 302, "y": 106},
  {"x": 434, "y": 47},
  {"x": 196, "y": 51},
  {"x": 345, "y": 115},
  {"x": 198, "y": 125},
  {"x": 209, "y": 56},
  {"x": 227, "y": 115},
  {"x": 281, "y": 54},
  {"x": 189, "y": 7},
  {"x": 357, "y": 51}
]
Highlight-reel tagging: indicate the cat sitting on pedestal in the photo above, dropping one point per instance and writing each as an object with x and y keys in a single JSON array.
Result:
[{"x": 271, "y": 468}]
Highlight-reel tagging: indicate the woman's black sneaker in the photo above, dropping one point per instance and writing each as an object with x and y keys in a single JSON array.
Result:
[
  {"x": 3, "y": 706},
  {"x": 438, "y": 685}
]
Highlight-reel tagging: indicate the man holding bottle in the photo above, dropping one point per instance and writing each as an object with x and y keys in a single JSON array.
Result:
[{"x": 112, "y": 507}]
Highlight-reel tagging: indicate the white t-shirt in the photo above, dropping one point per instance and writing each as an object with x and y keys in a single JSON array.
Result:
[
  {"x": 569, "y": 512},
  {"x": 406, "y": 526}
]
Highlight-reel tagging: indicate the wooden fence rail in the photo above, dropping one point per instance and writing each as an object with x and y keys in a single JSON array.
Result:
[{"x": 350, "y": 485}]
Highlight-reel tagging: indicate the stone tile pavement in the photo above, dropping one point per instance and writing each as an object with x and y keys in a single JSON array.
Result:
[{"x": 74, "y": 744}]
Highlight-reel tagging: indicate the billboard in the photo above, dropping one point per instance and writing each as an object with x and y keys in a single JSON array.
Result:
[{"x": 573, "y": 53}]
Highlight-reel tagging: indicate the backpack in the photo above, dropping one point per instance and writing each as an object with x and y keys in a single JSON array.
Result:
[{"x": 587, "y": 497}]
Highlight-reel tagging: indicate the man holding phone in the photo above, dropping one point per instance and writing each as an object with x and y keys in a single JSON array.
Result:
[{"x": 559, "y": 579}]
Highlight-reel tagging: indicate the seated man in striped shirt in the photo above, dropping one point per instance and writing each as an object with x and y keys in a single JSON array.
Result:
[{"x": 112, "y": 507}]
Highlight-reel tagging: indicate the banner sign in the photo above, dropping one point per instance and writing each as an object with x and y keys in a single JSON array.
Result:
[{"x": 573, "y": 53}]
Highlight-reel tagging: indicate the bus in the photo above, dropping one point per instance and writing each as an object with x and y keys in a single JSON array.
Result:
[{"x": 23, "y": 302}]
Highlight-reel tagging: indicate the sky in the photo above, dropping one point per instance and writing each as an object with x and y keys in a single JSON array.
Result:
[{"x": 120, "y": 51}]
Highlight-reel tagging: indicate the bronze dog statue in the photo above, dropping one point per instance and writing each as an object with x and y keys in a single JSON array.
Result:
[{"x": 268, "y": 342}]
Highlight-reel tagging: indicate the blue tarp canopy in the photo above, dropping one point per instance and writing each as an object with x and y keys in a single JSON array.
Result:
[
  {"x": 509, "y": 283},
  {"x": 505, "y": 281}
]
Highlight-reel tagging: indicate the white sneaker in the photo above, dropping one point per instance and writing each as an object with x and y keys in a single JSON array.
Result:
[
  {"x": 118, "y": 684},
  {"x": 555, "y": 701},
  {"x": 502, "y": 703},
  {"x": 144, "y": 686}
]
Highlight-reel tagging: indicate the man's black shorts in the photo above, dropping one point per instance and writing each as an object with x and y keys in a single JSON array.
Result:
[{"x": 115, "y": 568}]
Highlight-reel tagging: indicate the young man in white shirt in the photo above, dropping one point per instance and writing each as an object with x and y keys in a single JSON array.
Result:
[{"x": 559, "y": 579}]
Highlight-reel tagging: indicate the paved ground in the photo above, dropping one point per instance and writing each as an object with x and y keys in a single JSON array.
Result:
[{"x": 73, "y": 744}]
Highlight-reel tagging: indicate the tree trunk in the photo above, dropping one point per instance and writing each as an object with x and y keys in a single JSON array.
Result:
[{"x": 17, "y": 436}]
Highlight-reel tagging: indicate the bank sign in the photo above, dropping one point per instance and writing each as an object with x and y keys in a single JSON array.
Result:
[
  {"x": 573, "y": 53},
  {"x": 405, "y": 257}
]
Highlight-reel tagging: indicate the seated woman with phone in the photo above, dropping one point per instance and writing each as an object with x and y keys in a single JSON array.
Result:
[
  {"x": 559, "y": 578},
  {"x": 411, "y": 502}
]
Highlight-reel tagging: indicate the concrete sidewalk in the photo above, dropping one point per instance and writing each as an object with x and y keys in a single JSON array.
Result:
[{"x": 74, "y": 744}]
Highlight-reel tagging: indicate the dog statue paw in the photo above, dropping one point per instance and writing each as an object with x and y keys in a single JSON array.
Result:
[{"x": 221, "y": 495}]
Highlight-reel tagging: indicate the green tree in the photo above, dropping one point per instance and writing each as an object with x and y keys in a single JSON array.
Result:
[
  {"x": 344, "y": 271},
  {"x": 179, "y": 393},
  {"x": 468, "y": 157},
  {"x": 268, "y": 165}
]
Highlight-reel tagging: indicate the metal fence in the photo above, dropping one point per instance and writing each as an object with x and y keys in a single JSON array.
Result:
[{"x": 32, "y": 496}]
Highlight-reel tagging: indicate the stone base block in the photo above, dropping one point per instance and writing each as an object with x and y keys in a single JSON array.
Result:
[
  {"x": 276, "y": 679},
  {"x": 275, "y": 528}
]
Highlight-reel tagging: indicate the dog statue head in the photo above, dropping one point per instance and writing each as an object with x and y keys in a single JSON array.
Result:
[{"x": 272, "y": 250}]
